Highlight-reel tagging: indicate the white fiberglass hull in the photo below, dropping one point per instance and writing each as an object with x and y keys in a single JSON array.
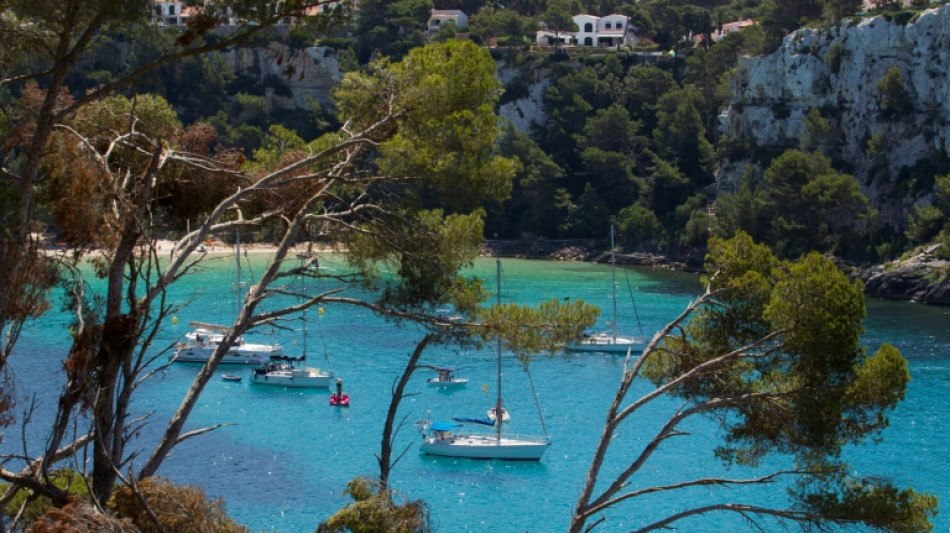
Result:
[
  {"x": 434, "y": 382},
  {"x": 511, "y": 448},
  {"x": 306, "y": 378},
  {"x": 245, "y": 354},
  {"x": 609, "y": 344}
]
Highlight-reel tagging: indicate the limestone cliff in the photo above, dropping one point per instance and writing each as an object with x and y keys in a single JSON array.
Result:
[
  {"x": 837, "y": 71},
  {"x": 309, "y": 73}
]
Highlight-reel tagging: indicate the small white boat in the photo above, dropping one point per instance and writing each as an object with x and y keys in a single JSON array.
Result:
[
  {"x": 230, "y": 377},
  {"x": 505, "y": 417},
  {"x": 284, "y": 374},
  {"x": 445, "y": 377}
]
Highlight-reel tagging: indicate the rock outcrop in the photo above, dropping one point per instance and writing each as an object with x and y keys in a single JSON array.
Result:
[
  {"x": 891, "y": 146},
  {"x": 922, "y": 278},
  {"x": 310, "y": 73}
]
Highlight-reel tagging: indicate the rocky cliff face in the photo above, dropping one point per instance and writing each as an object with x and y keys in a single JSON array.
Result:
[
  {"x": 309, "y": 73},
  {"x": 837, "y": 71}
]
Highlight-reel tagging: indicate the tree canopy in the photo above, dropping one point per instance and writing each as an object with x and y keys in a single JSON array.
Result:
[{"x": 771, "y": 354}]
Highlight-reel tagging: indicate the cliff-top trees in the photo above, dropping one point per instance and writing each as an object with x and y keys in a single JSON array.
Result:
[{"x": 771, "y": 355}]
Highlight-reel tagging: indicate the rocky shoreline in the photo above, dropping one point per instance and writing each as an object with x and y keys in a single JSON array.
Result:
[{"x": 921, "y": 278}]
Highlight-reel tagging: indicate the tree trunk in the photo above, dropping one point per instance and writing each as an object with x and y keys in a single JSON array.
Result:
[{"x": 385, "y": 455}]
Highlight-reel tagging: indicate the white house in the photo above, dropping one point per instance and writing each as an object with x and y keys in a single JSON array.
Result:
[
  {"x": 611, "y": 30},
  {"x": 167, "y": 13},
  {"x": 440, "y": 17}
]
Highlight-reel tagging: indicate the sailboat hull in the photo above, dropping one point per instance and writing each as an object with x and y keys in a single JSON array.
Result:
[
  {"x": 608, "y": 344},
  {"x": 295, "y": 378},
  {"x": 509, "y": 448}
]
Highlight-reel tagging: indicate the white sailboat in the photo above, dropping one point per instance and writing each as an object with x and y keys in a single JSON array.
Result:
[
  {"x": 444, "y": 439},
  {"x": 202, "y": 340},
  {"x": 281, "y": 371},
  {"x": 609, "y": 341}
]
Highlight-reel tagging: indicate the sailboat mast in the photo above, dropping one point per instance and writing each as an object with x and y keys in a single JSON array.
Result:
[
  {"x": 237, "y": 258},
  {"x": 613, "y": 274},
  {"x": 498, "y": 412}
]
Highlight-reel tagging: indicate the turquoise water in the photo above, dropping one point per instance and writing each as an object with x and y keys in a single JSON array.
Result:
[{"x": 284, "y": 459}]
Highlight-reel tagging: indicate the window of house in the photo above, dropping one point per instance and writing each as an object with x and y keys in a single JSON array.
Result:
[
  {"x": 588, "y": 27},
  {"x": 620, "y": 25},
  {"x": 171, "y": 9},
  {"x": 607, "y": 26}
]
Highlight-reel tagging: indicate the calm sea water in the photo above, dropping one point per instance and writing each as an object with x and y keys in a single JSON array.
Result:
[{"x": 284, "y": 460}]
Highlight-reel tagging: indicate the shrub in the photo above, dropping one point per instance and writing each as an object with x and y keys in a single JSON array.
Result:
[
  {"x": 65, "y": 478},
  {"x": 183, "y": 509}
]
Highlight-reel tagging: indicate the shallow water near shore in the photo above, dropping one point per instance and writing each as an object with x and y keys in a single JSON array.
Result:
[{"x": 284, "y": 459}]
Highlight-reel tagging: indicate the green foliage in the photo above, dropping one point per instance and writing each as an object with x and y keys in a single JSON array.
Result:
[
  {"x": 803, "y": 205},
  {"x": 559, "y": 15},
  {"x": 445, "y": 96},
  {"x": 775, "y": 358},
  {"x": 927, "y": 223},
  {"x": 446, "y": 31},
  {"x": 184, "y": 509},
  {"x": 534, "y": 200},
  {"x": 638, "y": 225},
  {"x": 679, "y": 135},
  {"x": 819, "y": 130},
  {"x": 546, "y": 328},
  {"x": 391, "y": 28},
  {"x": 36, "y": 506},
  {"x": 587, "y": 216},
  {"x": 374, "y": 511},
  {"x": 894, "y": 100},
  {"x": 502, "y": 24},
  {"x": 833, "y": 57}
]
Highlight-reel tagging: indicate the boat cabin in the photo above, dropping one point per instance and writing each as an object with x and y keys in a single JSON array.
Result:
[
  {"x": 442, "y": 430},
  {"x": 445, "y": 374}
]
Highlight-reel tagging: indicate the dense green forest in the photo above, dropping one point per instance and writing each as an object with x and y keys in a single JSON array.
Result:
[{"x": 630, "y": 136}]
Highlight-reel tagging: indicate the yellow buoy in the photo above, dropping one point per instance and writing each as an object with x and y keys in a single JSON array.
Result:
[
  {"x": 72, "y": 330},
  {"x": 175, "y": 320},
  {"x": 321, "y": 310}
]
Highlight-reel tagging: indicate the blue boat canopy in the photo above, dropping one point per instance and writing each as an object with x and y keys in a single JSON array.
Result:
[
  {"x": 482, "y": 421},
  {"x": 443, "y": 426}
]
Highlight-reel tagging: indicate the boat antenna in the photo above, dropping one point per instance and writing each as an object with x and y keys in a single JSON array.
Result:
[{"x": 634, "y": 302}]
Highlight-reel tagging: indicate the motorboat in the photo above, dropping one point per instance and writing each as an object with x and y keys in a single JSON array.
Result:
[
  {"x": 281, "y": 372},
  {"x": 445, "y": 377}
]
